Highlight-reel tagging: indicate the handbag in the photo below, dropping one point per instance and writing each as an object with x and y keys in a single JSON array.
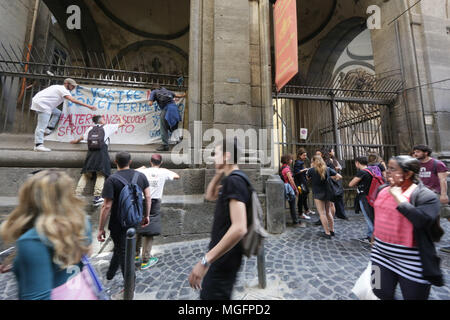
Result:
[
  {"x": 334, "y": 189},
  {"x": 363, "y": 286},
  {"x": 86, "y": 285}
]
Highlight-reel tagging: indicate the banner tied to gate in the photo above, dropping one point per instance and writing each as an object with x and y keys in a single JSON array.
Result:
[
  {"x": 286, "y": 41},
  {"x": 142, "y": 121}
]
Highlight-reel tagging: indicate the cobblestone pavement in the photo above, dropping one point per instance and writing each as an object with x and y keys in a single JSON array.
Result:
[{"x": 299, "y": 266}]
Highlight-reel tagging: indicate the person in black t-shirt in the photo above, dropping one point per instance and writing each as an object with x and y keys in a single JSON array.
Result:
[
  {"x": 363, "y": 180},
  {"x": 111, "y": 193},
  {"x": 301, "y": 181},
  {"x": 338, "y": 205},
  {"x": 219, "y": 267}
]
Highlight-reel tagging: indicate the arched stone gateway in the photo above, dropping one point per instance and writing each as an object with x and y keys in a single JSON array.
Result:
[
  {"x": 154, "y": 56},
  {"x": 88, "y": 37}
]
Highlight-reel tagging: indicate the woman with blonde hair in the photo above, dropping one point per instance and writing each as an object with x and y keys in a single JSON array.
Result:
[
  {"x": 51, "y": 234},
  {"x": 318, "y": 175}
]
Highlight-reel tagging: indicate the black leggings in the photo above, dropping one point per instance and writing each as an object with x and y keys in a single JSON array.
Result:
[
  {"x": 411, "y": 290},
  {"x": 293, "y": 211},
  {"x": 302, "y": 203}
]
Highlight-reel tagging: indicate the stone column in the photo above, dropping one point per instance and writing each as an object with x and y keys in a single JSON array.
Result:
[
  {"x": 230, "y": 80},
  {"x": 431, "y": 28},
  {"x": 415, "y": 49}
]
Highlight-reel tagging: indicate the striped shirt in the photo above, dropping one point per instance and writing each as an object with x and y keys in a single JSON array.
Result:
[
  {"x": 390, "y": 225},
  {"x": 404, "y": 261}
]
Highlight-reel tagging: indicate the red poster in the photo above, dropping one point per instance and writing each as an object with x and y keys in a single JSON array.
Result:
[{"x": 286, "y": 41}]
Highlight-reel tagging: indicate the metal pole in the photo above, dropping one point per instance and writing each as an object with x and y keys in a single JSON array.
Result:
[
  {"x": 337, "y": 136},
  {"x": 261, "y": 264},
  {"x": 130, "y": 277}
]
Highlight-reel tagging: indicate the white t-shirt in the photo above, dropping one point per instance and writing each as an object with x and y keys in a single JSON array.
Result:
[
  {"x": 157, "y": 178},
  {"x": 110, "y": 129},
  {"x": 49, "y": 99}
]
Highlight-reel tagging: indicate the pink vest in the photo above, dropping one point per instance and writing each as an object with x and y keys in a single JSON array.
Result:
[{"x": 390, "y": 225}]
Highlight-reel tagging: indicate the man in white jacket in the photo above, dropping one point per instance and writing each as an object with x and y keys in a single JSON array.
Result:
[{"x": 45, "y": 104}]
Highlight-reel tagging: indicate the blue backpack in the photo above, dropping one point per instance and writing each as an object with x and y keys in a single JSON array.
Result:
[{"x": 131, "y": 204}]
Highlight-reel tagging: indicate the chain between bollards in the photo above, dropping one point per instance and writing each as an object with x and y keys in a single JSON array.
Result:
[{"x": 130, "y": 269}]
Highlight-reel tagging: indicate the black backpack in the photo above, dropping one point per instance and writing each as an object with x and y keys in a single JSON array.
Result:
[
  {"x": 163, "y": 97},
  {"x": 96, "y": 138},
  {"x": 253, "y": 241},
  {"x": 131, "y": 202}
]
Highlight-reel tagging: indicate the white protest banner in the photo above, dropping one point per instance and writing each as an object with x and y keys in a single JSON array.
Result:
[{"x": 142, "y": 121}]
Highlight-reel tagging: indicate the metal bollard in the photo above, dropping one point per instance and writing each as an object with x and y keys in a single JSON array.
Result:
[
  {"x": 261, "y": 263},
  {"x": 130, "y": 270}
]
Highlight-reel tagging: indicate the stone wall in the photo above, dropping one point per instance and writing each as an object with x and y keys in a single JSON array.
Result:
[
  {"x": 415, "y": 49},
  {"x": 185, "y": 214},
  {"x": 15, "y": 17}
]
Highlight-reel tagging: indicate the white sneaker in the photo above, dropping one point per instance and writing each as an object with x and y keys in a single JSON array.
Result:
[
  {"x": 41, "y": 148},
  {"x": 47, "y": 132},
  {"x": 305, "y": 217}
]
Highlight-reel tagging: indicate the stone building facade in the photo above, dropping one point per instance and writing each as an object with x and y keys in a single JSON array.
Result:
[{"x": 225, "y": 48}]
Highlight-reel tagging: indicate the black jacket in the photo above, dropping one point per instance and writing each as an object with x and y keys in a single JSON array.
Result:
[{"x": 423, "y": 212}]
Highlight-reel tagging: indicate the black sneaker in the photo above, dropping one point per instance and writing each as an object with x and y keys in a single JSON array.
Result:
[
  {"x": 324, "y": 235},
  {"x": 318, "y": 223}
]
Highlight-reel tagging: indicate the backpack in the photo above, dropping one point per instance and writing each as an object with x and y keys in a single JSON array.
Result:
[
  {"x": 376, "y": 170},
  {"x": 280, "y": 172},
  {"x": 131, "y": 202},
  {"x": 376, "y": 183},
  {"x": 164, "y": 97},
  {"x": 253, "y": 241},
  {"x": 96, "y": 138}
]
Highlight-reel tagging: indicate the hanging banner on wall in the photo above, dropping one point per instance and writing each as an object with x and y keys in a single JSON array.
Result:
[
  {"x": 286, "y": 41},
  {"x": 142, "y": 121}
]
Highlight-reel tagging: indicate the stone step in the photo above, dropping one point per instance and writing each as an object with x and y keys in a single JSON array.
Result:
[
  {"x": 193, "y": 181},
  {"x": 7, "y": 205},
  {"x": 76, "y": 158},
  {"x": 184, "y": 218}
]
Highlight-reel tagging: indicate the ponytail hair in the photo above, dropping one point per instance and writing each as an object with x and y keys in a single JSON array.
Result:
[{"x": 320, "y": 166}]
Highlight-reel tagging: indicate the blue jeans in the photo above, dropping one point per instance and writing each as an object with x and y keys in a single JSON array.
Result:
[
  {"x": 45, "y": 121},
  {"x": 365, "y": 208}
]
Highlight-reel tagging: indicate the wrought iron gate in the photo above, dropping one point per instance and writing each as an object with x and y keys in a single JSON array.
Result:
[
  {"x": 23, "y": 73},
  {"x": 351, "y": 115}
]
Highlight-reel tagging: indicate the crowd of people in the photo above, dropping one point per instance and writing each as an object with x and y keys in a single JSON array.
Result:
[{"x": 402, "y": 202}]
